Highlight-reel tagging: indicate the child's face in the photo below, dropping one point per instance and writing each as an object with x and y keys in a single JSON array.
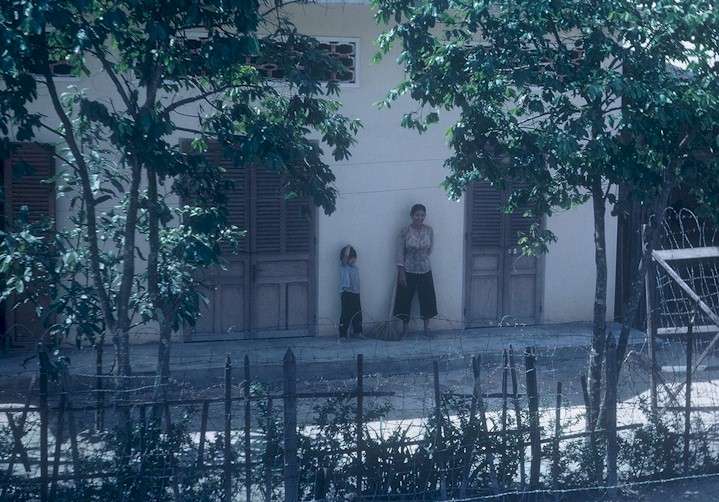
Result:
[{"x": 352, "y": 261}]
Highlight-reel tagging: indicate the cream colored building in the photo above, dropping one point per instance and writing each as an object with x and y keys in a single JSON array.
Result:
[
  {"x": 479, "y": 277},
  {"x": 391, "y": 169}
]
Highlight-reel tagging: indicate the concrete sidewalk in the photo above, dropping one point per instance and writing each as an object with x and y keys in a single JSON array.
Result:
[{"x": 202, "y": 363}]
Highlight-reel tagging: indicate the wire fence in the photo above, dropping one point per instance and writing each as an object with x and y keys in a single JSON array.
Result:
[
  {"x": 504, "y": 426},
  {"x": 508, "y": 426}
]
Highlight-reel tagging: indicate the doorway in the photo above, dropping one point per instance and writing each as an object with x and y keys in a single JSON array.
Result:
[
  {"x": 268, "y": 289},
  {"x": 502, "y": 285},
  {"x": 25, "y": 189}
]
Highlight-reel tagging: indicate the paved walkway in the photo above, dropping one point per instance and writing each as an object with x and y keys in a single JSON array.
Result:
[{"x": 326, "y": 358}]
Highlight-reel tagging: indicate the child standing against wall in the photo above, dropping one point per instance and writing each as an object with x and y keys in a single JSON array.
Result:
[{"x": 350, "y": 294}]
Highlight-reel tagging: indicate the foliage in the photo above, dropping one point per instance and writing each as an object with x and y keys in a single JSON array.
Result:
[
  {"x": 544, "y": 88},
  {"x": 161, "y": 463},
  {"x": 330, "y": 443},
  {"x": 396, "y": 465},
  {"x": 575, "y": 99},
  {"x": 269, "y": 449},
  {"x": 128, "y": 253},
  {"x": 655, "y": 449},
  {"x": 161, "y": 466}
]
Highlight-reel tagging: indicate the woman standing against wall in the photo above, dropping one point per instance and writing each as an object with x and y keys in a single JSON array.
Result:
[{"x": 415, "y": 271}]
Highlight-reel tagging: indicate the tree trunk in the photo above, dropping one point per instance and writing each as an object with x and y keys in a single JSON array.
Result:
[
  {"x": 162, "y": 373},
  {"x": 632, "y": 306},
  {"x": 596, "y": 355},
  {"x": 650, "y": 241},
  {"x": 159, "y": 304}
]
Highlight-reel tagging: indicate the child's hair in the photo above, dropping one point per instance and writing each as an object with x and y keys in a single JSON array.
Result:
[{"x": 347, "y": 253}]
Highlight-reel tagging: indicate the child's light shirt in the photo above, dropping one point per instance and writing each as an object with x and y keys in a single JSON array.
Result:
[{"x": 349, "y": 279}]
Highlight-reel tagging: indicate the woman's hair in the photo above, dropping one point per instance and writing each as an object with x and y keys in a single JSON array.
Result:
[
  {"x": 417, "y": 207},
  {"x": 347, "y": 253}
]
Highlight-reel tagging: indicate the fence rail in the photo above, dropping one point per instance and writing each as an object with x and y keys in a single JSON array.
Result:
[{"x": 255, "y": 455}]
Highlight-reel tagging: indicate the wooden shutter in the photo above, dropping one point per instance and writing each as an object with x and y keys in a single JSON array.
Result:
[
  {"x": 24, "y": 175},
  {"x": 487, "y": 218},
  {"x": 281, "y": 226},
  {"x": 518, "y": 222},
  {"x": 236, "y": 195},
  {"x": 298, "y": 226},
  {"x": 269, "y": 223}
]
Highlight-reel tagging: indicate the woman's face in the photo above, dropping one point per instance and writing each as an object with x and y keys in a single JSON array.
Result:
[{"x": 418, "y": 217}]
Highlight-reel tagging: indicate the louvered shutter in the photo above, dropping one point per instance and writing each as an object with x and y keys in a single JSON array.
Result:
[
  {"x": 35, "y": 162},
  {"x": 487, "y": 218},
  {"x": 269, "y": 221},
  {"x": 517, "y": 222},
  {"x": 281, "y": 227},
  {"x": 298, "y": 227},
  {"x": 236, "y": 194}
]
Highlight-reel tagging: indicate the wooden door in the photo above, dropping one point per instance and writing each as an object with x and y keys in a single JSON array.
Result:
[
  {"x": 502, "y": 285},
  {"x": 267, "y": 290},
  {"x": 24, "y": 185},
  {"x": 281, "y": 239}
]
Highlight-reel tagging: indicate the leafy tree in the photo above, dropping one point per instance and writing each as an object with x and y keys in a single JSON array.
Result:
[
  {"x": 577, "y": 98},
  {"x": 121, "y": 162}
]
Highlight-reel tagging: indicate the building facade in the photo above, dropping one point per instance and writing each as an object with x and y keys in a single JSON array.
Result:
[{"x": 286, "y": 283}]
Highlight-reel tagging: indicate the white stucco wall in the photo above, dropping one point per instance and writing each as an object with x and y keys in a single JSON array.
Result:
[
  {"x": 391, "y": 169},
  {"x": 569, "y": 272}
]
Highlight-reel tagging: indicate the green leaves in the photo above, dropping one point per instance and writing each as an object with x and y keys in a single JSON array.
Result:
[
  {"x": 559, "y": 80},
  {"x": 220, "y": 73}
]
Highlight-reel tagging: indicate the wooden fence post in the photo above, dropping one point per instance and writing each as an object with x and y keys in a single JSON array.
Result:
[
  {"x": 555, "y": 449},
  {"x": 58, "y": 443},
  {"x": 502, "y": 463},
  {"x": 533, "y": 404},
  {"x": 469, "y": 452},
  {"x": 518, "y": 416},
  {"x": 650, "y": 287},
  {"x": 360, "y": 423},
  {"x": 269, "y": 450},
  {"x": 438, "y": 443},
  {"x": 291, "y": 469},
  {"x": 483, "y": 430},
  {"x": 248, "y": 443},
  {"x": 72, "y": 430},
  {"x": 203, "y": 433},
  {"x": 44, "y": 423},
  {"x": 611, "y": 404},
  {"x": 227, "y": 480},
  {"x": 688, "y": 394},
  {"x": 99, "y": 387}
]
